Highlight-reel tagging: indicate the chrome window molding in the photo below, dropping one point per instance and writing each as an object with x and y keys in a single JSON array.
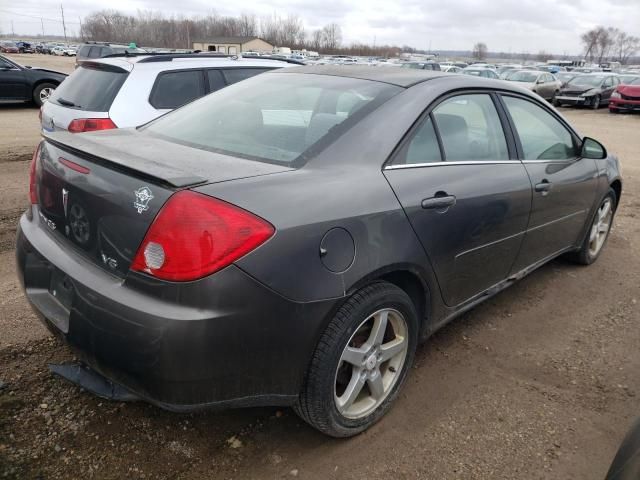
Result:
[{"x": 445, "y": 163}]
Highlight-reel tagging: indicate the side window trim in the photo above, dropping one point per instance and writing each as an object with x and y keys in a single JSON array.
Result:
[
  {"x": 577, "y": 140},
  {"x": 505, "y": 121}
]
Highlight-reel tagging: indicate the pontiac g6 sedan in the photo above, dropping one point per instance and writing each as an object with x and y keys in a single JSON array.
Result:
[{"x": 290, "y": 239}]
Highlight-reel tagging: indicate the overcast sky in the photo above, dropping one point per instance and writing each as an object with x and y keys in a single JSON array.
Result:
[{"x": 504, "y": 25}]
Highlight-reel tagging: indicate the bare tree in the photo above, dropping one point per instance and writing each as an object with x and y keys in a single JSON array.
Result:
[
  {"x": 625, "y": 46},
  {"x": 480, "y": 51},
  {"x": 332, "y": 36}
]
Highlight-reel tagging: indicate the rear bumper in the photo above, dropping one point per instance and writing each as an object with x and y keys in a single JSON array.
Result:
[
  {"x": 225, "y": 340},
  {"x": 623, "y": 104}
]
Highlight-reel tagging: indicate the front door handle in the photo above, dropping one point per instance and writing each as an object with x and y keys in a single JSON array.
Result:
[
  {"x": 543, "y": 186},
  {"x": 439, "y": 202}
]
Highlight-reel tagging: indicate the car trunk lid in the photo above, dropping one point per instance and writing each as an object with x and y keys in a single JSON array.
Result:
[{"x": 99, "y": 192}]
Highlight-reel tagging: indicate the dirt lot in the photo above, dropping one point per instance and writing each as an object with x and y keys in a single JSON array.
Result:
[{"x": 539, "y": 382}]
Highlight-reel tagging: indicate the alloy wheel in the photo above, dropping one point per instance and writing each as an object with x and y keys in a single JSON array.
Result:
[
  {"x": 45, "y": 93},
  {"x": 600, "y": 227},
  {"x": 371, "y": 363}
]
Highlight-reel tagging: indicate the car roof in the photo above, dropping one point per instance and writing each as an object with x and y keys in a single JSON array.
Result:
[
  {"x": 192, "y": 61},
  {"x": 401, "y": 77}
]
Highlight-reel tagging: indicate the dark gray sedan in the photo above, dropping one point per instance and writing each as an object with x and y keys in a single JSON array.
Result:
[{"x": 290, "y": 240}]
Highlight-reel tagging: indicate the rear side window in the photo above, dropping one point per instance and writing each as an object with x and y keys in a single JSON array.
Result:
[
  {"x": 174, "y": 89},
  {"x": 216, "y": 80},
  {"x": 422, "y": 147},
  {"x": 542, "y": 136},
  {"x": 94, "y": 52},
  {"x": 470, "y": 129},
  {"x": 234, "y": 75},
  {"x": 84, "y": 52},
  {"x": 90, "y": 88}
]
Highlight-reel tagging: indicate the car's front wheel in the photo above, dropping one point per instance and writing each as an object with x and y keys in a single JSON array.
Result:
[
  {"x": 42, "y": 93},
  {"x": 360, "y": 362},
  {"x": 596, "y": 102}
]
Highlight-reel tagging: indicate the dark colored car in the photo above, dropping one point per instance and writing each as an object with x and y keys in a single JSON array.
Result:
[
  {"x": 626, "y": 97},
  {"x": 590, "y": 90},
  {"x": 25, "y": 47},
  {"x": 93, "y": 50},
  {"x": 9, "y": 47},
  {"x": 289, "y": 240},
  {"x": 422, "y": 65},
  {"x": 26, "y": 84}
]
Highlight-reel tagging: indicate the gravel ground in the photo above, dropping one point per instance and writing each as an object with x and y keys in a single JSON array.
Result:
[{"x": 538, "y": 382}]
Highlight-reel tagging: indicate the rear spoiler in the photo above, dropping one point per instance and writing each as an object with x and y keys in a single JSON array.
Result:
[{"x": 80, "y": 145}]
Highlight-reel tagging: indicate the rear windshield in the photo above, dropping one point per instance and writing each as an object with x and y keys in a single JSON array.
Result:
[
  {"x": 282, "y": 118},
  {"x": 90, "y": 88}
]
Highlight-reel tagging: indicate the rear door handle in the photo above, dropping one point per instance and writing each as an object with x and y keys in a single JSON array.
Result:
[
  {"x": 543, "y": 186},
  {"x": 439, "y": 202}
]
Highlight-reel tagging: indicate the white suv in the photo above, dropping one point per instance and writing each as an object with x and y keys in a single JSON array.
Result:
[{"x": 128, "y": 91}]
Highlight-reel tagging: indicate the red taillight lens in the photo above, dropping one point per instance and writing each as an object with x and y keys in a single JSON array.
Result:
[
  {"x": 90, "y": 125},
  {"x": 33, "y": 180},
  {"x": 194, "y": 235}
]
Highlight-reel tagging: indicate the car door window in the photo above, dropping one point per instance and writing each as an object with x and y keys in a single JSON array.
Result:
[
  {"x": 608, "y": 83},
  {"x": 542, "y": 136},
  {"x": 234, "y": 75},
  {"x": 470, "y": 129},
  {"x": 216, "y": 80},
  {"x": 94, "y": 52},
  {"x": 174, "y": 89},
  {"x": 421, "y": 147}
]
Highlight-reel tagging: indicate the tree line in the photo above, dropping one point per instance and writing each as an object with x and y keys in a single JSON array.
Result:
[
  {"x": 609, "y": 43},
  {"x": 152, "y": 29}
]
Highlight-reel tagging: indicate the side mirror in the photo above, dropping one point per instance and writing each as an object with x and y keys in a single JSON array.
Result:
[{"x": 592, "y": 149}]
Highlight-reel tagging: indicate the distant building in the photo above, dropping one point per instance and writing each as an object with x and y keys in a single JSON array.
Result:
[{"x": 232, "y": 45}]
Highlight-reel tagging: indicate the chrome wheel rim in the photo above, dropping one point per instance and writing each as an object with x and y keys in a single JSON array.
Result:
[
  {"x": 45, "y": 93},
  {"x": 371, "y": 363},
  {"x": 600, "y": 227}
]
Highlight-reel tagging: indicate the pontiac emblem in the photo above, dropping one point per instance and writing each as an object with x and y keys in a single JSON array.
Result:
[{"x": 143, "y": 197}]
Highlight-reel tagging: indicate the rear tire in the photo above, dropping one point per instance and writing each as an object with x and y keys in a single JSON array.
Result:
[
  {"x": 598, "y": 232},
  {"x": 376, "y": 322}
]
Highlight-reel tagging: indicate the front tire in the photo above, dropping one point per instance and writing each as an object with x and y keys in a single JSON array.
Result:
[
  {"x": 360, "y": 362},
  {"x": 596, "y": 102},
  {"x": 598, "y": 231}
]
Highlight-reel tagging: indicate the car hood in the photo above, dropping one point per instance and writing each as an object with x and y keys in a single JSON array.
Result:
[
  {"x": 46, "y": 70},
  {"x": 578, "y": 88},
  {"x": 631, "y": 90}
]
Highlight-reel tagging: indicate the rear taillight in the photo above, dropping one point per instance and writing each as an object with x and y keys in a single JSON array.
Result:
[
  {"x": 33, "y": 180},
  {"x": 90, "y": 125},
  {"x": 194, "y": 235}
]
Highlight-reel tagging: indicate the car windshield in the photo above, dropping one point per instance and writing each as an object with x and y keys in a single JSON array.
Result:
[
  {"x": 522, "y": 76},
  {"x": 586, "y": 81},
  {"x": 90, "y": 88},
  {"x": 629, "y": 79},
  {"x": 281, "y": 118}
]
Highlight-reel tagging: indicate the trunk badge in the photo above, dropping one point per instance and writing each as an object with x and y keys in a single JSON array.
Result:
[{"x": 143, "y": 197}]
